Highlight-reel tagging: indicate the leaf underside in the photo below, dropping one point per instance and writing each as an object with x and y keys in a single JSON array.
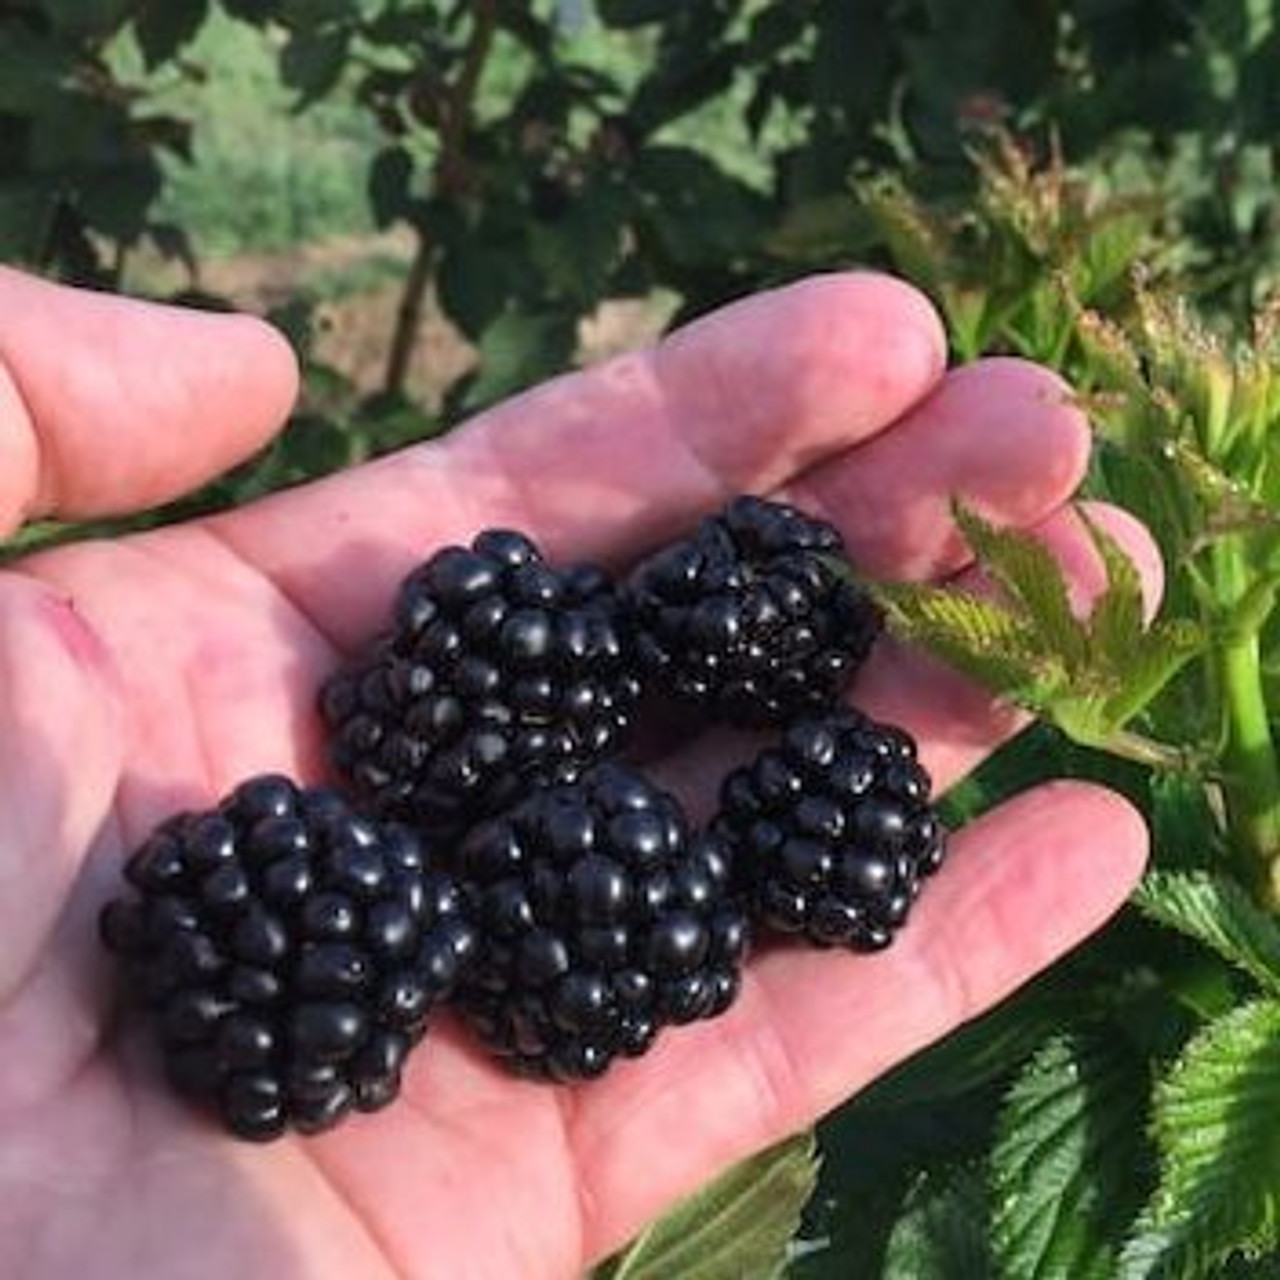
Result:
[{"x": 738, "y": 1227}]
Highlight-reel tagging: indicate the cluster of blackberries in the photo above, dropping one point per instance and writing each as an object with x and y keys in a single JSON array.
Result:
[{"x": 491, "y": 850}]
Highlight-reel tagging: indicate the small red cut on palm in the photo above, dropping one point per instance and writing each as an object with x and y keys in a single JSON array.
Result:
[{"x": 188, "y": 658}]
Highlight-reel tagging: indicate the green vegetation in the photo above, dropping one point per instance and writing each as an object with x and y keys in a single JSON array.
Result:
[{"x": 260, "y": 176}]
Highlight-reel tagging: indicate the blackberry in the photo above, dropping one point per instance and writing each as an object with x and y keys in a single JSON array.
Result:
[
  {"x": 749, "y": 616},
  {"x": 831, "y": 831},
  {"x": 602, "y": 920},
  {"x": 290, "y": 952},
  {"x": 500, "y": 672}
]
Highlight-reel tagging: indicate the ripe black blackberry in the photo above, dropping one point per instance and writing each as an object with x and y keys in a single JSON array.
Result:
[
  {"x": 290, "y": 952},
  {"x": 750, "y": 616},
  {"x": 500, "y": 672},
  {"x": 831, "y": 831},
  {"x": 601, "y": 921}
]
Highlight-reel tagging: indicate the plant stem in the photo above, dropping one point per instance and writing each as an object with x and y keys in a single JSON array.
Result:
[
  {"x": 452, "y": 179},
  {"x": 1251, "y": 772},
  {"x": 1147, "y": 751},
  {"x": 408, "y": 316}
]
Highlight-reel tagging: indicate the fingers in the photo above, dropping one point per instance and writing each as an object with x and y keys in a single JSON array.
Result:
[
  {"x": 60, "y": 758},
  {"x": 1001, "y": 435},
  {"x": 605, "y": 462},
  {"x": 108, "y": 404},
  {"x": 1021, "y": 887}
]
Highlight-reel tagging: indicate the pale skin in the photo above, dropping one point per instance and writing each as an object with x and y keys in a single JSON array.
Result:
[{"x": 152, "y": 672}]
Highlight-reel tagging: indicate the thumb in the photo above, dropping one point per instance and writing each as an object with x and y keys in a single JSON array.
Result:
[{"x": 109, "y": 405}]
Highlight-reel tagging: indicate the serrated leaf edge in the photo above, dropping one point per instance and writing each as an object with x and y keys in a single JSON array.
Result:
[
  {"x": 776, "y": 1164},
  {"x": 1144, "y": 1257},
  {"x": 1147, "y": 897}
]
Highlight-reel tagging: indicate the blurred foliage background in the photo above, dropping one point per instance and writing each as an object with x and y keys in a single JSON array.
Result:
[
  {"x": 447, "y": 201},
  {"x": 444, "y": 201}
]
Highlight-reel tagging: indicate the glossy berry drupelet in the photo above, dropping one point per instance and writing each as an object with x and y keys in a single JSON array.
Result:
[
  {"x": 602, "y": 920},
  {"x": 290, "y": 953},
  {"x": 831, "y": 831},
  {"x": 500, "y": 672},
  {"x": 750, "y": 617}
]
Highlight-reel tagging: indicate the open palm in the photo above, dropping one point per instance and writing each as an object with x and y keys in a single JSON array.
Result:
[{"x": 153, "y": 672}]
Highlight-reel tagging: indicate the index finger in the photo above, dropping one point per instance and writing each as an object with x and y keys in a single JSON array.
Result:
[{"x": 614, "y": 458}]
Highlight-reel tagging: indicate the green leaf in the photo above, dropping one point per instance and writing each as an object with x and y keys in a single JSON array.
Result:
[
  {"x": 1116, "y": 624},
  {"x": 1112, "y": 245},
  {"x": 518, "y": 349},
  {"x": 312, "y": 62},
  {"x": 257, "y": 12},
  {"x": 1090, "y": 677},
  {"x": 1215, "y": 1125},
  {"x": 697, "y": 67},
  {"x": 1027, "y": 570},
  {"x": 90, "y": 17},
  {"x": 36, "y": 66},
  {"x": 820, "y": 229},
  {"x": 1265, "y": 1267},
  {"x": 737, "y": 1228},
  {"x": 1138, "y": 677},
  {"x": 389, "y": 177},
  {"x": 1109, "y": 353},
  {"x": 25, "y": 209},
  {"x": 76, "y": 131},
  {"x": 164, "y": 26},
  {"x": 973, "y": 623},
  {"x": 172, "y": 242},
  {"x": 576, "y": 252},
  {"x": 942, "y": 1232},
  {"x": 1068, "y": 1161},
  {"x": 1229, "y": 505},
  {"x": 700, "y": 213},
  {"x": 632, "y": 13},
  {"x": 984, "y": 639},
  {"x": 1185, "y": 831},
  {"x": 867, "y": 1147},
  {"x": 116, "y": 200},
  {"x": 917, "y": 240},
  {"x": 1217, "y": 912},
  {"x": 475, "y": 281},
  {"x": 314, "y": 13}
]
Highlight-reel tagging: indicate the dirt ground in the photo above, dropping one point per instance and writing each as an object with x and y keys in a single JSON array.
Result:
[{"x": 356, "y": 321}]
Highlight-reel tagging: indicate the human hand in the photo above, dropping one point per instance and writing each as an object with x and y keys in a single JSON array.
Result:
[{"x": 152, "y": 673}]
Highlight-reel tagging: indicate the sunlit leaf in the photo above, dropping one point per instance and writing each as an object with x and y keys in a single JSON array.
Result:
[
  {"x": 1090, "y": 676},
  {"x": 1064, "y": 1168},
  {"x": 1219, "y": 1189},
  {"x": 1026, "y": 569},
  {"x": 739, "y": 1226},
  {"x": 1116, "y": 623},
  {"x": 1217, "y": 912}
]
